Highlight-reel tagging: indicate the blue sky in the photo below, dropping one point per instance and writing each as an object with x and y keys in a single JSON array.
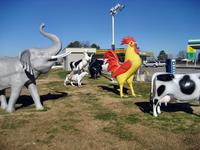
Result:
[{"x": 155, "y": 24}]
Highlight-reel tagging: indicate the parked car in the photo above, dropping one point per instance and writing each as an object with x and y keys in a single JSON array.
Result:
[
  {"x": 154, "y": 63},
  {"x": 161, "y": 63},
  {"x": 150, "y": 63}
]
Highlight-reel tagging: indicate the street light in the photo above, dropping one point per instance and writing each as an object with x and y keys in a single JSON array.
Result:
[{"x": 113, "y": 12}]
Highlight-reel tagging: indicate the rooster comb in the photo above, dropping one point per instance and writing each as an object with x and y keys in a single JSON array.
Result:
[{"x": 127, "y": 40}]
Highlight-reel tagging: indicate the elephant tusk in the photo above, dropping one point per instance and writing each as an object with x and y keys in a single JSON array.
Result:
[{"x": 61, "y": 55}]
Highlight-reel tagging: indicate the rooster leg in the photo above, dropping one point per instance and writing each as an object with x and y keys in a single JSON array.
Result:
[
  {"x": 130, "y": 83},
  {"x": 121, "y": 90}
]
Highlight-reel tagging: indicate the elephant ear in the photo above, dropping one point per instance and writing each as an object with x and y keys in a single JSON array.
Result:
[{"x": 26, "y": 62}]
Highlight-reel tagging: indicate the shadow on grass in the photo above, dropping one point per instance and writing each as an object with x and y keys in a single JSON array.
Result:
[
  {"x": 144, "y": 106},
  {"x": 114, "y": 89},
  {"x": 94, "y": 78},
  {"x": 75, "y": 84},
  {"x": 26, "y": 100},
  {"x": 171, "y": 107}
]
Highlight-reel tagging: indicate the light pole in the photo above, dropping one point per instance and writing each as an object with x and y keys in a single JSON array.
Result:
[{"x": 113, "y": 11}]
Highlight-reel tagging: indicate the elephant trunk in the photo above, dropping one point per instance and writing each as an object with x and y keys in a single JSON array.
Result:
[{"x": 57, "y": 45}]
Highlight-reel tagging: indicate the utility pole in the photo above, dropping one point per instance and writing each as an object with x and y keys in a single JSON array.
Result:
[{"x": 113, "y": 11}]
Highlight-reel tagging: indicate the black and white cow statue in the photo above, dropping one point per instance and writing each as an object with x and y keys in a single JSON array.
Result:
[
  {"x": 77, "y": 78},
  {"x": 182, "y": 87},
  {"x": 77, "y": 68},
  {"x": 79, "y": 65},
  {"x": 95, "y": 68}
]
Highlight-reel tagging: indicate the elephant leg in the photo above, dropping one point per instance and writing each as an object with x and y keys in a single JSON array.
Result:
[
  {"x": 36, "y": 98},
  {"x": 130, "y": 83},
  {"x": 15, "y": 92},
  {"x": 3, "y": 99}
]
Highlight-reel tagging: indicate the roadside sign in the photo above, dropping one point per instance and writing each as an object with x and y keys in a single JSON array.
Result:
[
  {"x": 190, "y": 49},
  {"x": 191, "y": 56},
  {"x": 191, "y": 53}
]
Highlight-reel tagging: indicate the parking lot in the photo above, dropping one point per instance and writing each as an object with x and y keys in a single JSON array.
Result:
[{"x": 153, "y": 70}]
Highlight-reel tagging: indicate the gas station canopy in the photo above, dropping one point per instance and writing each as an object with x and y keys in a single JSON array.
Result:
[{"x": 194, "y": 43}]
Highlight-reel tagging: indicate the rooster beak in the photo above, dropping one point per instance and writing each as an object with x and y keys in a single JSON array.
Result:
[{"x": 132, "y": 44}]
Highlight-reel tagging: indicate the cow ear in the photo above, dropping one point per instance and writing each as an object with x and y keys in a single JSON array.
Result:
[{"x": 25, "y": 61}]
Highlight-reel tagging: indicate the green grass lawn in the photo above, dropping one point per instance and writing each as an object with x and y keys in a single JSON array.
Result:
[{"x": 95, "y": 116}]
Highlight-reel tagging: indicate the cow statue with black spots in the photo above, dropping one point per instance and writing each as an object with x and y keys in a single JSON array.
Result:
[
  {"x": 182, "y": 87},
  {"x": 78, "y": 66},
  {"x": 75, "y": 78}
]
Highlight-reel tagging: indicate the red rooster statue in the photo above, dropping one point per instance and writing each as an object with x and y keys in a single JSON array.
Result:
[{"x": 124, "y": 72}]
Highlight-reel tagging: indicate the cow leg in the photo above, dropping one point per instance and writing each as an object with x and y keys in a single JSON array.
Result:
[
  {"x": 100, "y": 72},
  {"x": 95, "y": 75},
  {"x": 65, "y": 82},
  {"x": 158, "y": 108},
  {"x": 155, "y": 103},
  {"x": 79, "y": 82},
  {"x": 3, "y": 99},
  {"x": 72, "y": 83}
]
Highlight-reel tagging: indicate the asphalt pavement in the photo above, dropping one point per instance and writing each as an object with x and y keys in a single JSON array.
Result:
[{"x": 151, "y": 70}]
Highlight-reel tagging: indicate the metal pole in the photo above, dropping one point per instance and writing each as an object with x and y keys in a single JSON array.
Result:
[
  {"x": 195, "y": 61},
  {"x": 113, "y": 32}
]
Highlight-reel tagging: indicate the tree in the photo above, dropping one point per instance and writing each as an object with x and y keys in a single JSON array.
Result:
[
  {"x": 181, "y": 54},
  {"x": 78, "y": 44},
  {"x": 85, "y": 44},
  {"x": 75, "y": 44},
  {"x": 162, "y": 56},
  {"x": 170, "y": 56},
  {"x": 95, "y": 46}
]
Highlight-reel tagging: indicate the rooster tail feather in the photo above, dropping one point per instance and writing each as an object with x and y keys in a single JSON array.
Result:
[
  {"x": 110, "y": 54},
  {"x": 112, "y": 60}
]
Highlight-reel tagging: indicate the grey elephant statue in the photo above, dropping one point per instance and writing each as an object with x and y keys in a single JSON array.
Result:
[{"x": 23, "y": 71}]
